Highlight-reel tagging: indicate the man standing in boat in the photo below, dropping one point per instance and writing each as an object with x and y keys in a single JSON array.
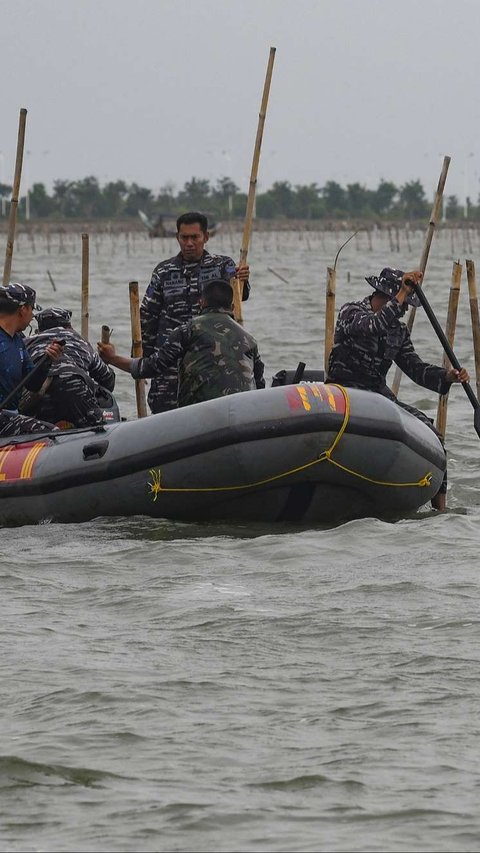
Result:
[
  {"x": 369, "y": 336},
  {"x": 17, "y": 302},
  {"x": 173, "y": 297},
  {"x": 216, "y": 356}
]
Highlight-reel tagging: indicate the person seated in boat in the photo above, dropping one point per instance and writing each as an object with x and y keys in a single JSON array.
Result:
[
  {"x": 216, "y": 356},
  {"x": 69, "y": 393},
  {"x": 173, "y": 297},
  {"x": 17, "y": 302},
  {"x": 369, "y": 336}
]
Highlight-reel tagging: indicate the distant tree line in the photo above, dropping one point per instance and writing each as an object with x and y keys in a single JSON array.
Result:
[{"x": 86, "y": 199}]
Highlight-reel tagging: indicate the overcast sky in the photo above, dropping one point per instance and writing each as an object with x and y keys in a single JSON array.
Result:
[{"x": 158, "y": 91}]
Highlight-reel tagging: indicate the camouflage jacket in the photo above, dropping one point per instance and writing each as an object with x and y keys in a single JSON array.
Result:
[
  {"x": 77, "y": 351},
  {"x": 367, "y": 342},
  {"x": 217, "y": 357},
  {"x": 173, "y": 295}
]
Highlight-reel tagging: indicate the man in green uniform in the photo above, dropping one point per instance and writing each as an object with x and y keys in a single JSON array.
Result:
[{"x": 216, "y": 356}]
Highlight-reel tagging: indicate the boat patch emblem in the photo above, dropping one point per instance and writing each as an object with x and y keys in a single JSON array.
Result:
[
  {"x": 312, "y": 396},
  {"x": 17, "y": 461}
]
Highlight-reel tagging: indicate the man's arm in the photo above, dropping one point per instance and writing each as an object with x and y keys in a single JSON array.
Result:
[
  {"x": 242, "y": 272},
  {"x": 155, "y": 365},
  {"x": 427, "y": 375},
  {"x": 357, "y": 321},
  {"x": 101, "y": 373},
  {"x": 54, "y": 351}
]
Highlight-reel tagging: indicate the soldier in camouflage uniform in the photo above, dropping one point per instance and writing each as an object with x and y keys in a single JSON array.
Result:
[
  {"x": 72, "y": 382},
  {"x": 216, "y": 355},
  {"x": 173, "y": 297},
  {"x": 369, "y": 337},
  {"x": 17, "y": 302}
]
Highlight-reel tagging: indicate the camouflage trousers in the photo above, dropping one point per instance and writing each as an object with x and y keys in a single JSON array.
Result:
[
  {"x": 163, "y": 394},
  {"x": 70, "y": 396},
  {"x": 12, "y": 423}
]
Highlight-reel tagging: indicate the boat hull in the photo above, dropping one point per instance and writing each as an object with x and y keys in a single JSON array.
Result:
[{"x": 301, "y": 453}]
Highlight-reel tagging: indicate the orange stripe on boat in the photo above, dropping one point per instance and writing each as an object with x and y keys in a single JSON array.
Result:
[
  {"x": 3, "y": 454},
  {"x": 17, "y": 460},
  {"x": 312, "y": 396}
]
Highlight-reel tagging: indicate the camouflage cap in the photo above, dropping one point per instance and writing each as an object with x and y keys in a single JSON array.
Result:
[
  {"x": 223, "y": 282},
  {"x": 50, "y": 318},
  {"x": 389, "y": 282},
  {"x": 19, "y": 294}
]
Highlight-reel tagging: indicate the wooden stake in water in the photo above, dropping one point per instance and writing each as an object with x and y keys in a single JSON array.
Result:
[
  {"x": 12, "y": 221},
  {"x": 137, "y": 348},
  {"x": 436, "y": 211},
  {"x": 85, "y": 285},
  {"x": 330, "y": 304},
  {"x": 329, "y": 314},
  {"x": 450, "y": 336},
  {"x": 474, "y": 313},
  {"x": 51, "y": 280},
  {"x": 247, "y": 228}
]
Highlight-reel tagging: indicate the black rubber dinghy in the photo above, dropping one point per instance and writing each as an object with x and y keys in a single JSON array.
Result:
[{"x": 296, "y": 453}]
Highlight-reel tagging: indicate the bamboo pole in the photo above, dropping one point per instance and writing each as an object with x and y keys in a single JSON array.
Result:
[
  {"x": 474, "y": 313},
  {"x": 85, "y": 285},
  {"x": 137, "y": 348},
  {"x": 12, "y": 221},
  {"x": 436, "y": 211},
  {"x": 330, "y": 304},
  {"x": 329, "y": 314},
  {"x": 450, "y": 336},
  {"x": 247, "y": 228}
]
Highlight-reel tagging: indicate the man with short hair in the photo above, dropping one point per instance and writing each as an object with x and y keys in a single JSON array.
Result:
[
  {"x": 216, "y": 356},
  {"x": 17, "y": 302},
  {"x": 173, "y": 297},
  {"x": 369, "y": 336},
  {"x": 70, "y": 391}
]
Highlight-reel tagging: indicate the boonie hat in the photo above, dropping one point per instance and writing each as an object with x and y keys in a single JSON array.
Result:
[
  {"x": 50, "y": 318},
  {"x": 19, "y": 294},
  {"x": 389, "y": 282}
]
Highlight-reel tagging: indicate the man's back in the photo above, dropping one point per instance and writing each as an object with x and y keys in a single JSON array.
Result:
[
  {"x": 76, "y": 351},
  {"x": 220, "y": 358}
]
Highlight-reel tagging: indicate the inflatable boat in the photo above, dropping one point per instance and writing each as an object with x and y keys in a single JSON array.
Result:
[{"x": 305, "y": 452}]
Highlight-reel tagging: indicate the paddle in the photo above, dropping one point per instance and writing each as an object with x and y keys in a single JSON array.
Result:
[
  {"x": 40, "y": 363},
  {"x": 448, "y": 350}
]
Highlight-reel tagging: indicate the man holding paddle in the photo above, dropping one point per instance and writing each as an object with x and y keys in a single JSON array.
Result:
[
  {"x": 173, "y": 297},
  {"x": 17, "y": 302},
  {"x": 369, "y": 336}
]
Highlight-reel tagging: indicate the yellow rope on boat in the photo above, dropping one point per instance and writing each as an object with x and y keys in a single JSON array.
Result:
[{"x": 326, "y": 456}]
